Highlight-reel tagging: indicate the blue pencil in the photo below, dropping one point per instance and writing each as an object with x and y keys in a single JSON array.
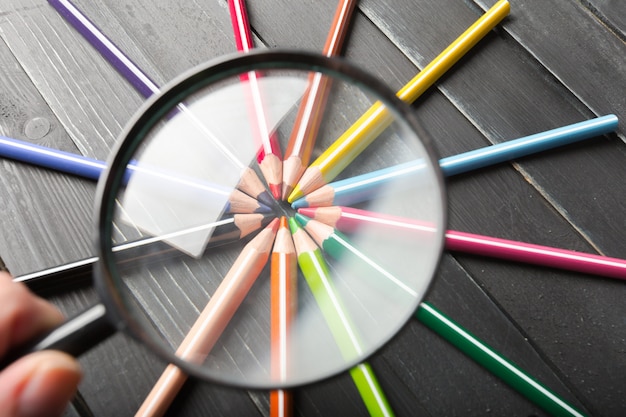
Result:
[
  {"x": 89, "y": 168},
  {"x": 367, "y": 186}
]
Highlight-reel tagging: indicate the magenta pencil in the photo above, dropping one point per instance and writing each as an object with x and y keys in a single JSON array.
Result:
[
  {"x": 347, "y": 219},
  {"x": 269, "y": 156}
]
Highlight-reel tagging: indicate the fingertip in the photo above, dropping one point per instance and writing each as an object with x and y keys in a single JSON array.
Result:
[{"x": 39, "y": 384}]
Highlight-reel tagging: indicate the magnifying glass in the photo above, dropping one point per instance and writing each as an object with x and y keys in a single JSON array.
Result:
[{"x": 176, "y": 173}]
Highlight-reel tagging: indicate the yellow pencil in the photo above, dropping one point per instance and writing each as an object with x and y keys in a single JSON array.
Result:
[{"x": 363, "y": 132}]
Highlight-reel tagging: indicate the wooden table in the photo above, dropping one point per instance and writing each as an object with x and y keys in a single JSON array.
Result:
[{"x": 548, "y": 65}]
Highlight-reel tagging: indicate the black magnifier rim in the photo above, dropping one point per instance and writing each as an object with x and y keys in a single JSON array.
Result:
[{"x": 158, "y": 106}]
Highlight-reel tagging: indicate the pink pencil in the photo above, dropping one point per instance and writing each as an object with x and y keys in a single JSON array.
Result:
[
  {"x": 347, "y": 219},
  {"x": 270, "y": 156}
]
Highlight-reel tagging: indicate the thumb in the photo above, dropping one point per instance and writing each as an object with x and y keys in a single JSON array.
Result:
[{"x": 38, "y": 384}]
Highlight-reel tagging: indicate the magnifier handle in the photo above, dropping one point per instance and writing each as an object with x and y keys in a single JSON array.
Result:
[{"x": 75, "y": 336}]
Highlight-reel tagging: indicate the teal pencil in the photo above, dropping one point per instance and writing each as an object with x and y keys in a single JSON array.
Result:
[
  {"x": 317, "y": 276},
  {"x": 374, "y": 184}
]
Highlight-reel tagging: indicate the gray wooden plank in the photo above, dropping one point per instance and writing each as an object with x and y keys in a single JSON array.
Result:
[
  {"x": 610, "y": 13},
  {"x": 29, "y": 194},
  {"x": 583, "y": 54}
]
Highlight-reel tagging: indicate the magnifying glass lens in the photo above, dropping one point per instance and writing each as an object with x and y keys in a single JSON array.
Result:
[{"x": 189, "y": 223}]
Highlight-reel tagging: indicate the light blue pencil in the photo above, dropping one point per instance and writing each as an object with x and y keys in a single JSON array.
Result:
[{"x": 367, "y": 186}]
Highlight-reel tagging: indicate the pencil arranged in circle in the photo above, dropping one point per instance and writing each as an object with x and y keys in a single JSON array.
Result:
[
  {"x": 283, "y": 300},
  {"x": 348, "y": 220},
  {"x": 319, "y": 280},
  {"x": 311, "y": 110},
  {"x": 474, "y": 348},
  {"x": 367, "y": 128},
  {"x": 213, "y": 319},
  {"x": 338, "y": 246},
  {"x": 269, "y": 157},
  {"x": 374, "y": 184},
  {"x": 249, "y": 183}
]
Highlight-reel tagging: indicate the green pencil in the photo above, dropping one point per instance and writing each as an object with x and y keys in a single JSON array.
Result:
[
  {"x": 317, "y": 276},
  {"x": 337, "y": 245},
  {"x": 494, "y": 362}
]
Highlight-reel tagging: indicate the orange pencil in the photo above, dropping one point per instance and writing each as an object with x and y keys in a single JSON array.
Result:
[
  {"x": 306, "y": 126},
  {"x": 213, "y": 320},
  {"x": 284, "y": 273}
]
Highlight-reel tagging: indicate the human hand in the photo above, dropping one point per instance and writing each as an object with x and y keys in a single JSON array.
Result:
[{"x": 41, "y": 383}]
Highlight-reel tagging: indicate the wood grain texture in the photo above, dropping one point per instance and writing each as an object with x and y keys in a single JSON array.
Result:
[{"x": 543, "y": 68}]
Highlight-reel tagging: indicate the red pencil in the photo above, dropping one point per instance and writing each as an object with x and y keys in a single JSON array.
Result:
[
  {"x": 306, "y": 126},
  {"x": 347, "y": 219},
  {"x": 269, "y": 157},
  {"x": 284, "y": 273}
]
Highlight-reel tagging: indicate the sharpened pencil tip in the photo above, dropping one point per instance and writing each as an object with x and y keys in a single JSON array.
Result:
[
  {"x": 302, "y": 219},
  {"x": 299, "y": 203},
  {"x": 263, "y": 208},
  {"x": 283, "y": 222},
  {"x": 287, "y": 189},
  {"x": 266, "y": 199},
  {"x": 307, "y": 211},
  {"x": 273, "y": 225},
  {"x": 294, "y": 226},
  {"x": 295, "y": 194},
  {"x": 276, "y": 191}
]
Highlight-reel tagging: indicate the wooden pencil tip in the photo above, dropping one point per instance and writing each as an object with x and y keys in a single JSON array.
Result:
[
  {"x": 273, "y": 225},
  {"x": 295, "y": 194},
  {"x": 307, "y": 211},
  {"x": 283, "y": 222},
  {"x": 265, "y": 200},
  {"x": 303, "y": 220},
  {"x": 299, "y": 203},
  {"x": 287, "y": 189},
  {"x": 294, "y": 226},
  {"x": 277, "y": 191}
]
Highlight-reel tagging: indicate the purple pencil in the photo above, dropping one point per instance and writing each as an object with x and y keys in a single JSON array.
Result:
[
  {"x": 103, "y": 44},
  {"x": 250, "y": 183}
]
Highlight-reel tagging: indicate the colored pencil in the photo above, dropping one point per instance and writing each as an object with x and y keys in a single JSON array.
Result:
[
  {"x": 363, "y": 132},
  {"x": 489, "y": 358},
  {"x": 89, "y": 168},
  {"x": 214, "y": 318},
  {"x": 367, "y": 186},
  {"x": 269, "y": 157},
  {"x": 237, "y": 202},
  {"x": 250, "y": 182},
  {"x": 227, "y": 230},
  {"x": 494, "y": 362},
  {"x": 283, "y": 284},
  {"x": 317, "y": 276},
  {"x": 528, "y": 145},
  {"x": 311, "y": 110},
  {"x": 337, "y": 245},
  {"x": 347, "y": 220}
]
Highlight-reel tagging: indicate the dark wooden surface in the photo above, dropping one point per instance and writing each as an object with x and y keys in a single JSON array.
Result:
[{"x": 549, "y": 64}]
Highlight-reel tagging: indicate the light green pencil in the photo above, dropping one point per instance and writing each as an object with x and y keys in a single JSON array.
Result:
[{"x": 317, "y": 276}]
